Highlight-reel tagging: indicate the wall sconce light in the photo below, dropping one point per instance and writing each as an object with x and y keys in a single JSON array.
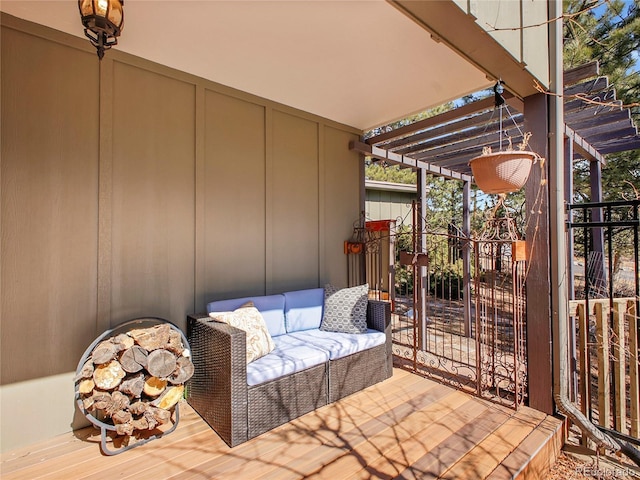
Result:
[{"x": 103, "y": 21}]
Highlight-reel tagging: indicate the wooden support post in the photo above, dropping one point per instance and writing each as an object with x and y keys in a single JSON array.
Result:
[
  {"x": 392, "y": 265},
  {"x": 597, "y": 272},
  {"x": 634, "y": 380},
  {"x": 619, "y": 367},
  {"x": 604, "y": 389},
  {"x": 538, "y": 285}
]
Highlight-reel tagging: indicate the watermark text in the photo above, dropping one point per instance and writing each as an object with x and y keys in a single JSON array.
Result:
[{"x": 603, "y": 472}]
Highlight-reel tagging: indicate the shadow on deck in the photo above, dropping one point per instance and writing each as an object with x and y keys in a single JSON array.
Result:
[{"x": 406, "y": 427}]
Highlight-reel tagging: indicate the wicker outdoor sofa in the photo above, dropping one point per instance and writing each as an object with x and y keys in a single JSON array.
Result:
[{"x": 308, "y": 368}]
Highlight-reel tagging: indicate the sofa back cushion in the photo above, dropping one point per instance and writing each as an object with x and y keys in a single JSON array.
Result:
[
  {"x": 303, "y": 309},
  {"x": 270, "y": 306}
]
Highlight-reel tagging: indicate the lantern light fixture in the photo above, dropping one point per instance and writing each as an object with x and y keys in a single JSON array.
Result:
[{"x": 103, "y": 21}]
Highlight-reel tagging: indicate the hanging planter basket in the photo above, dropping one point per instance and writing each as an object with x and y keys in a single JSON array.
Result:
[{"x": 502, "y": 172}]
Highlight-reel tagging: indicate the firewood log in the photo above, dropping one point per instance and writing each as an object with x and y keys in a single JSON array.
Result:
[
  {"x": 123, "y": 341},
  {"x": 140, "y": 423},
  {"x": 85, "y": 372},
  {"x": 108, "y": 376},
  {"x": 124, "y": 429},
  {"x": 104, "y": 352},
  {"x": 150, "y": 419},
  {"x": 101, "y": 400},
  {"x": 175, "y": 343},
  {"x": 119, "y": 401},
  {"x": 87, "y": 403},
  {"x": 160, "y": 415},
  {"x": 122, "y": 416},
  {"x": 154, "y": 386},
  {"x": 169, "y": 397},
  {"x": 86, "y": 386},
  {"x": 183, "y": 372},
  {"x": 134, "y": 359},
  {"x": 151, "y": 338},
  {"x": 139, "y": 407},
  {"x": 133, "y": 385},
  {"x": 161, "y": 363}
]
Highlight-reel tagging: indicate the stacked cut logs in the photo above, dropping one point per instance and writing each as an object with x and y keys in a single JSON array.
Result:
[{"x": 135, "y": 379}]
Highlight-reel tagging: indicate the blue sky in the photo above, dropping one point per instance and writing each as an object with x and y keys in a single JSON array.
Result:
[{"x": 628, "y": 3}]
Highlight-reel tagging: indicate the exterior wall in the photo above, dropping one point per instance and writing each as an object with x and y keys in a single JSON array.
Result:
[
  {"x": 507, "y": 39},
  {"x": 389, "y": 204},
  {"x": 520, "y": 27},
  {"x": 130, "y": 189}
]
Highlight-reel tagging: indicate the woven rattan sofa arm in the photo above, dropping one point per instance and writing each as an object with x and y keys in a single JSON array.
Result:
[
  {"x": 379, "y": 318},
  {"x": 218, "y": 389}
]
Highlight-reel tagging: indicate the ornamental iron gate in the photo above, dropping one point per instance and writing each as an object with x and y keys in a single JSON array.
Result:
[{"x": 458, "y": 303}]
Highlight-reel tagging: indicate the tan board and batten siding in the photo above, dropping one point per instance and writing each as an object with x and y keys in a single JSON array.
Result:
[{"x": 130, "y": 189}]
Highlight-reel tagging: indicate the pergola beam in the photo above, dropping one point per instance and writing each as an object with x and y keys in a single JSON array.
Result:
[
  {"x": 584, "y": 148},
  {"x": 596, "y": 121},
  {"x": 600, "y": 99},
  {"x": 588, "y": 87},
  {"x": 456, "y": 113},
  {"x": 620, "y": 145},
  {"x": 588, "y": 119},
  {"x": 458, "y": 138},
  {"x": 587, "y": 70},
  {"x": 472, "y": 145},
  {"x": 443, "y": 130},
  {"x": 394, "y": 158}
]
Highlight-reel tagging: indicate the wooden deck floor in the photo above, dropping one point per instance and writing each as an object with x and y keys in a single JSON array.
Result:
[{"x": 406, "y": 427}]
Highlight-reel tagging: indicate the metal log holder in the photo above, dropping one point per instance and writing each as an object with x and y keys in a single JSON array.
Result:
[{"x": 143, "y": 322}]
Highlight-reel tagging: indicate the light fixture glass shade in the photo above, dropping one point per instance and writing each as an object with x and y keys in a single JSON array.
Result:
[
  {"x": 103, "y": 21},
  {"x": 115, "y": 14},
  {"x": 86, "y": 7}
]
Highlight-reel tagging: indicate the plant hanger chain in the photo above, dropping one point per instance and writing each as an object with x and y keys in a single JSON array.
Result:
[{"x": 501, "y": 104}]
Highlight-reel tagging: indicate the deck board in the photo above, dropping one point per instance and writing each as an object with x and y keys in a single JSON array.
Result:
[
  {"x": 472, "y": 425},
  {"x": 484, "y": 457},
  {"x": 405, "y": 427},
  {"x": 368, "y": 448},
  {"x": 534, "y": 445},
  {"x": 421, "y": 435}
]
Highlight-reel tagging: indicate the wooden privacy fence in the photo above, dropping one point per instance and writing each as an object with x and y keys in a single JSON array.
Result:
[{"x": 607, "y": 362}]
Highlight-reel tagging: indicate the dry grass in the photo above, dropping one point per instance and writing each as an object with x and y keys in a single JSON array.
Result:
[
  {"x": 566, "y": 468},
  {"x": 577, "y": 463}
]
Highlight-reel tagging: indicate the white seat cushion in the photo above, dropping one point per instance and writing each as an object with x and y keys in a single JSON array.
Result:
[
  {"x": 340, "y": 345},
  {"x": 291, "y": 355}
]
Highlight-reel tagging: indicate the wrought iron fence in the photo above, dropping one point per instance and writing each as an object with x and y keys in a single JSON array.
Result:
[{"x": 604, "y": 286}]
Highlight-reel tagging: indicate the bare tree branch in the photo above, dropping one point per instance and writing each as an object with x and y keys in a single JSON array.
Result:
[{"x": 569, "y": 16}]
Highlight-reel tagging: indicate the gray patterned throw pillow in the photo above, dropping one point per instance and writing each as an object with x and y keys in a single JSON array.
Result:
[{"x": 345, "y": 310}]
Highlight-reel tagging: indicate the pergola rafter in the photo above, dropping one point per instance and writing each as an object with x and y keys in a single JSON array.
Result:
[{"x": 595, "y": 120}]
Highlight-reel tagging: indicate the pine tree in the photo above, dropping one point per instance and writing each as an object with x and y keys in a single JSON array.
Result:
[{"x": 609, "y": 33}]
